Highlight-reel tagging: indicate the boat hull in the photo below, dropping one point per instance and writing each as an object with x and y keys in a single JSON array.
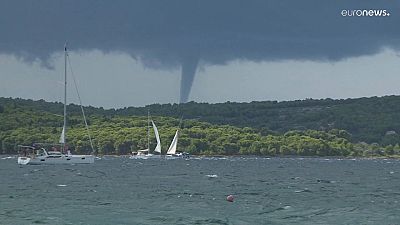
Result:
[
  {"x": 23, "y": 160},
  {"x": 150, "y": 156},
  {"x": 70, "y": 159},
  {"x": 178, "y": 155}
]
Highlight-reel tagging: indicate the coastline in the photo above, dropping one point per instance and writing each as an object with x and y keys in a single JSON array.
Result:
[{"x": 14, "y": 156}]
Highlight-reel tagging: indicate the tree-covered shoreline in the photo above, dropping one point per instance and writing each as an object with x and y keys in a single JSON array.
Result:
[{"x": 122, "y": 131}]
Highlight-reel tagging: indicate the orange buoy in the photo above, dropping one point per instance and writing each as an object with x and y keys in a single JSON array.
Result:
[{"x": 230, "y": 198}]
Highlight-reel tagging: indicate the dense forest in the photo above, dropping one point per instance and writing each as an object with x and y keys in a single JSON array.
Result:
[{"x": 351, "y": 127}]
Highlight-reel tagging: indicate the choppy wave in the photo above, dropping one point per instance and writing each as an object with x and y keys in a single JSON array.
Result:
[{"x": 118, "y": 190}]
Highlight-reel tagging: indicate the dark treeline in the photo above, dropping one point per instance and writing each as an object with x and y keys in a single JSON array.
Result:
[
  {"x": 370, "y": 120},
  {"x": 365, "y": 126}
]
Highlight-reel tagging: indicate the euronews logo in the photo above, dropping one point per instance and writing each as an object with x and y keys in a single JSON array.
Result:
[{"x": 365, "y": 13}]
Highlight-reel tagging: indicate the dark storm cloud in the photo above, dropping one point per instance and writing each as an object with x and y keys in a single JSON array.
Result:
[{"x": 174, "y": 32}]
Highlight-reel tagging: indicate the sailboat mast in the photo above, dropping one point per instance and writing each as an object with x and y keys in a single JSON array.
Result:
[
  {"x": 148, "y": 130},
  {"x": 65, "y": 97}
]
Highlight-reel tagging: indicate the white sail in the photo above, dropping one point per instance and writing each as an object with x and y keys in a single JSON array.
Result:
[
  {"x": 62, "y": 137},
  {"x": 158, "y": 147},
  {"x": 174, "y": 144}
]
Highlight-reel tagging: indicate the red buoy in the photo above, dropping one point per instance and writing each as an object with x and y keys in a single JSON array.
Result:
[{"x": 230, "y": 198}]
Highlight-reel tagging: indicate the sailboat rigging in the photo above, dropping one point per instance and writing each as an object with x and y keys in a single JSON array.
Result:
[
  {"x": 145, "y": 153},
  {"x": 39, "y": 155}
]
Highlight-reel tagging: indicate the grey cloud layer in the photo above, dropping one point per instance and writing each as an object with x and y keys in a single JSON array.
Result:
[
  {"x": 182, "y": 32},
  {"x": 165, "y": 32}
]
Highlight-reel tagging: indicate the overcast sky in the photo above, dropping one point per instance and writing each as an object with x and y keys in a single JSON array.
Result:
[{"x": 133, "y": 53}]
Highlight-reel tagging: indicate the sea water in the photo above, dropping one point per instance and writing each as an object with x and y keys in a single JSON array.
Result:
[{"x": 119, "y": 190}]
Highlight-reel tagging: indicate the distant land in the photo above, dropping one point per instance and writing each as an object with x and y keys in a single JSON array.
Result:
[{"x": 326, "y": 127}]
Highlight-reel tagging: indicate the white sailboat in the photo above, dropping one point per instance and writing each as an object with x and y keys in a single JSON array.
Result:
[
  {"x": 145, "y": 153},
  {"x": 173, "y": 147},
  {"x": 174, "y": 144},
  {"x": 39, "y": 155},
  {"x": 158, "y": 147}
]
